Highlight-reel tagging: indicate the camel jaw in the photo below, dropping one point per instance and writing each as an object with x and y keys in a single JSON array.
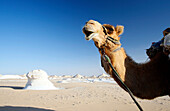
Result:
[{"x": 89, "y": 34}]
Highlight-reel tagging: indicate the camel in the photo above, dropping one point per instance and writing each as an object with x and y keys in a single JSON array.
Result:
[{"x": 145, "y": 80}]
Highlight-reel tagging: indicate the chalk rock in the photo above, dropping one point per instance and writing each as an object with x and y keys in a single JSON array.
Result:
[
  {"x": 78, "y": 76},
  {"x": 93, "y": 77},
  {"x": 103, "y": 76},
  {"x": 67, "y": 76},
  {"x": 38, "y": 80},
  {"x": 53, "y": 77}
]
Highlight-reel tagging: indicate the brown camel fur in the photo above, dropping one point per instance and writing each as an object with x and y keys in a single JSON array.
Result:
[{"x": 145, "y": 80}]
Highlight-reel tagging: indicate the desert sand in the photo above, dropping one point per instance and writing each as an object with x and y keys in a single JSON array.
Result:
[{"x": 73, "y": 96}]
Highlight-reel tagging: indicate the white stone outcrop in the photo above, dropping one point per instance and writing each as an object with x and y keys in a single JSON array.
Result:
[
  {"x": 103, "y": 76},
  {"x": 38, "y": 80},
  {"x": 78, "y": 76}
]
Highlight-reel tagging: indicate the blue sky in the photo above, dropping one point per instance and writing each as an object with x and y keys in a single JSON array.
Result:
[{"x": 47, "y": 34}]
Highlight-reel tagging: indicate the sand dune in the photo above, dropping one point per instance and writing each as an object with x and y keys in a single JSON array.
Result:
[
  {"x": 75, "y": 96},
  {"x": 11, "y": 77}
]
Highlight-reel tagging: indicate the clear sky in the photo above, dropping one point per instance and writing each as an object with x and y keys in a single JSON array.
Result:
[{"x": 47, "y": 34}]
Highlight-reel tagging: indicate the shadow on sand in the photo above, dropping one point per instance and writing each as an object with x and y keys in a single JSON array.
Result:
[
  {"x": 13, "y": 87},
  {"x": 15, "y": 108}
]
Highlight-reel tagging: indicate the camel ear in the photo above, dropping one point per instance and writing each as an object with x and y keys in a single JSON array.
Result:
[
  {"x": 109, "y": 28},
  {"x": 119, "y": 29}
]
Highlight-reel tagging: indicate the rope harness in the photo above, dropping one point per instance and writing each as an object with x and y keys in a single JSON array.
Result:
[{"x": 107, "y": 60}]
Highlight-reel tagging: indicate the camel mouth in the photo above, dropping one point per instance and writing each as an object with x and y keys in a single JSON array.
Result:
[{"x": 88, "y": 34}]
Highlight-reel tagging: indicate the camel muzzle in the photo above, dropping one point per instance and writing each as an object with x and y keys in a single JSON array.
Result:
[{"x": 86, "y": 32}]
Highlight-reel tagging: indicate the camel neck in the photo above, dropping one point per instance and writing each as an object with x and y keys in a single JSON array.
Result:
[
  {"x": 117, "y": 59},
  {"x": 126, "y": 68}
]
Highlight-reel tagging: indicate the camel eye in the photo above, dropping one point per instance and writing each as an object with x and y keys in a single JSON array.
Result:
[
  {"x": 110, "y": 30},
  {"x": 91, "y": 23}
]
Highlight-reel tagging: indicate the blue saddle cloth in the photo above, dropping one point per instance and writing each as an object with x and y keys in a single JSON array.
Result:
[{"x": 154, "y": 49}]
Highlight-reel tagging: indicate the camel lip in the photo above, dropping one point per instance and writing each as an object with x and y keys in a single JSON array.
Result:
[
  {"x": 88, "y": 34},
  {"x": 91, "y": 36}
]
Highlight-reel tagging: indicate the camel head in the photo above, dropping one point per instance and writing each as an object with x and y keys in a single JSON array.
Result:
[{"x": 98, "y": 33}]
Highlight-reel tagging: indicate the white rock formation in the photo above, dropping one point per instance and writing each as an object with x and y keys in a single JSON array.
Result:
[
  {"x": 103, "y": 76},
  {"x": 66, "y": 76},
  {"x": 78, "y": 76},
  {"x": 38, "y": 80},
  {"x": 53, "y": 77},
  {"x": 93, "y": 77}
]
